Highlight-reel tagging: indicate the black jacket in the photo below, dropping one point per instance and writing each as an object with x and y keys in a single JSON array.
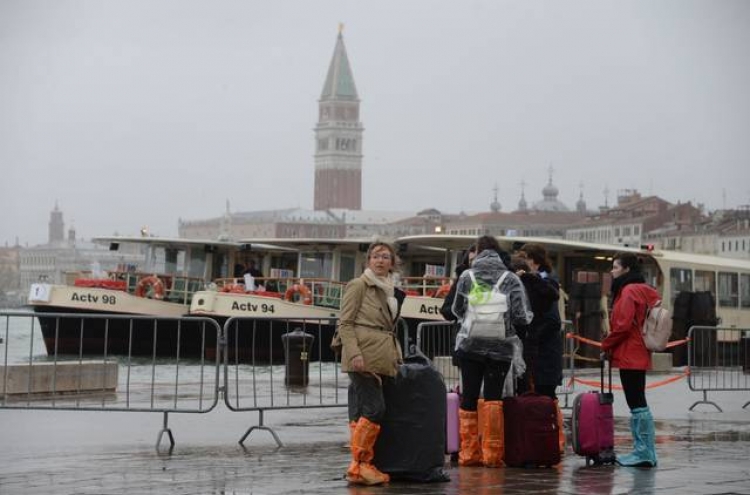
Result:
[{"x": 543, "y": 338}]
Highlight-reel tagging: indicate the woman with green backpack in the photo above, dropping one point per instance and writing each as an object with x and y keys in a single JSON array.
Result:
[{"x": 485, "y": 357}]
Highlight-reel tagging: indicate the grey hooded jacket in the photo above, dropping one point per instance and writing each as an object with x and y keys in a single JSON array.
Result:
[{"x": 488, "y": 267}]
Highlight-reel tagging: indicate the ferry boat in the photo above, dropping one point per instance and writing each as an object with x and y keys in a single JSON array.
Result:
[
  {"x": 303, "y": 289},
  {"x": 161, "y": 285},
  {"x": 584, "y": 268}
]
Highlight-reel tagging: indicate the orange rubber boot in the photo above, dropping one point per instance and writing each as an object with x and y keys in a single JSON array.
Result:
[
  {"x": 560, "y": 428},
  {"x": 352, "y": 426},
  {"x": 493, "y": 434},
  {"x": 361, "y": 470},
  {"x": 470, "y": 453}
]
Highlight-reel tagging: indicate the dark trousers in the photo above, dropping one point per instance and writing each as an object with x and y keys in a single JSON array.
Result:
[
  {"x": 474, "y": 374},
  {"x": 634, "y": 387},
  {"x": 366, "y": 397},
  {"x": 548, "y": 390}
]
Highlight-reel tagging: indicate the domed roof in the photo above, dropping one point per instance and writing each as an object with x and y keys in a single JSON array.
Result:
[
  {"x": 550, "y": 191},
  {"x": 495, "y": 205},
  {"x": 550, "y": 201}
]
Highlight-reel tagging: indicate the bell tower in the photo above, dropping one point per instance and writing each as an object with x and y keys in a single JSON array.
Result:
[
  {"x": 56, "y": 227},
  {"x": 338, "y": 137}
]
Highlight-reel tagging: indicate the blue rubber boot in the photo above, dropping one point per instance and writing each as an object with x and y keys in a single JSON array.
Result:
[{"x": 644, "y": 437}]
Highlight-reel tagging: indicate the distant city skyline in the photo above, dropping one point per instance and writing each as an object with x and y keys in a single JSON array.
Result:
[{"x": 217, "y": 102}]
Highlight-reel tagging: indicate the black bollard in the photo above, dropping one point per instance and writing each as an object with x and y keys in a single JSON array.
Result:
[
  {"x": 745, "y": 353},
  {"x": 297, "y": 346}
]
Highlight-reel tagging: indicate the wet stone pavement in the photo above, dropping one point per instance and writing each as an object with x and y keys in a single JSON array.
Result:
[{"x": 313, "y": 461}]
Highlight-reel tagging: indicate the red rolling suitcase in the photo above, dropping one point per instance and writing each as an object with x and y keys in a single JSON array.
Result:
[
  {"x": 531, "y": 431},
  {"x": 593, "y": 424}
]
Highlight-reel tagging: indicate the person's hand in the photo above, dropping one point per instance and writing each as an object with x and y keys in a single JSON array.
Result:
[{"x": 357, "y": 363}]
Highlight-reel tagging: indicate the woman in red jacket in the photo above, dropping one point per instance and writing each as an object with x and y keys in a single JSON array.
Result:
[{"x": 631, "y": 297}]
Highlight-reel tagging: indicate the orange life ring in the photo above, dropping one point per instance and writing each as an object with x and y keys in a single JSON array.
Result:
[
  {"x": 153, "y": 283},
  {"x": 302, "y": 290},
  {"x": 443, "y": 291}
]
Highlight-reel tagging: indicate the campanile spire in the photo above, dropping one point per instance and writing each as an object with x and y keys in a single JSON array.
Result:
[{"x": 338, "y": 137}]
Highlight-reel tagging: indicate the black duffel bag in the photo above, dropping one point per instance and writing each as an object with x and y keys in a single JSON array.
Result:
[{"x": 411, "y": 444}]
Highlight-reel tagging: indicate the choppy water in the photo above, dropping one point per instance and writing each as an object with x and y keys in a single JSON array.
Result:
[
  {"x": 22, "y": 340},
  {"x": 168, "y": 383}
]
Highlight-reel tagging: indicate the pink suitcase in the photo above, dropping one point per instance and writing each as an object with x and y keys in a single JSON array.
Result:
[
  {"x": 593, "y": 424},
  {"x": 452, "y": 442}
]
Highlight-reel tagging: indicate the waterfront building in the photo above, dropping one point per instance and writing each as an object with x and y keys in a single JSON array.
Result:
[
  {"x": 296, "y": 223},
  {"x": 548, "y": 217},
  {"x": 9, "y": 276},
  {"x": 61, "y": 258},
  {"x": 724, "y": 233},
  {"x": 733, "y": 239}
]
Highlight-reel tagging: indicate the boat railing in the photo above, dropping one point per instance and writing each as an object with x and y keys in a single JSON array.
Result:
[
  {"x": 426, "y": 286},
  {"x": 321, "y": 291},
  {"x": 182, "y": 289},
  {"x": 175, "y": 288}
]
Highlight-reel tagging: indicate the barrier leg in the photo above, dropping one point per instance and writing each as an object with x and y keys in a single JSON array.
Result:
[
  {"x": 165, "y": 429},
  {"x": 260, "y": 426},
  {"x": 706, "y": 401}
]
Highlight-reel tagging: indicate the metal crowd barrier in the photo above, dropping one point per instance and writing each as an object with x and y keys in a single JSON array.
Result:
[
  {"x": 719, "y": 361},
  {"x": 105, "y": 362},
  {"x": 274, "y": 363},
  {"x": 570, "y": 348},
  {"x": 168, "y": 365},
  {"x": 436, "y": 340}
]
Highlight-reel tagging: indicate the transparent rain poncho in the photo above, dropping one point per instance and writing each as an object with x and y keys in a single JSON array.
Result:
[{"x": 488, "y": 268}]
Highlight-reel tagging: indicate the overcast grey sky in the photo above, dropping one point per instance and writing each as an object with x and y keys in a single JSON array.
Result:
[{"x": 140, "y": 112}]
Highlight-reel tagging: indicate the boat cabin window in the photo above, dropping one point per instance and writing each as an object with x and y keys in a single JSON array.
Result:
[
  {"x": 197, "y": 265},
  {"x": 680, "y": 279},
  {"x": 705, "y": 281},
  {"x": 348, "y": 267},
  {"x": 316, "y": 265},
  {"x": 283, "y": 265},
  {"x": 174, "y": 260},
  {"x": 156, "y": 260},
  {"x": 745, "y": 290},
  {"x": 219, "y": 266},
  {"x": 728, "y": 290}
]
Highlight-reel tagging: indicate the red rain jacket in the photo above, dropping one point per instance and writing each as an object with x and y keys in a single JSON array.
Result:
[{"x": 625, "y": 341}]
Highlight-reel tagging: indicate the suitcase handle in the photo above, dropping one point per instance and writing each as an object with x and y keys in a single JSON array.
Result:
[{"x": 603, "y": 357}]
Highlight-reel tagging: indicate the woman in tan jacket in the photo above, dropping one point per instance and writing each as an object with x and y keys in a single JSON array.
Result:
[{"x": 370, "y": 354}]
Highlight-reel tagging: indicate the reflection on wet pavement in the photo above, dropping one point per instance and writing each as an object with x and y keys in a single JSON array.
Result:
[{"x": 685, "y": 468}]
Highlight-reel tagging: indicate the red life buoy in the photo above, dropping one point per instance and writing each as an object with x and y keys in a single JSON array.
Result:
[
  {"x": 443, "y": 291},
  {"x": 302, "y": 290},
  {"x": 152, "y": 285}
]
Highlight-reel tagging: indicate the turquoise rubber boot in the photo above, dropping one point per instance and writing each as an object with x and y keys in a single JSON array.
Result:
[{"x": 644, "y": 440}]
